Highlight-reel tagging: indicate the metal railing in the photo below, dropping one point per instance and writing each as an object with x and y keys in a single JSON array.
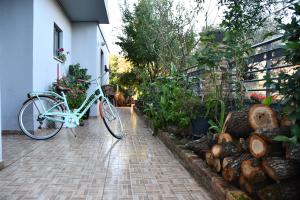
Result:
[{"x": 266, "y": 52}]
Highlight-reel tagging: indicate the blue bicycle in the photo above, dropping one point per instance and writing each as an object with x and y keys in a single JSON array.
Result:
[{"x": 43, "y": 114}]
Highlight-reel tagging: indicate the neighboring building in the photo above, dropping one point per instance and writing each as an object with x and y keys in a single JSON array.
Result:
[{"x": 30, "y": 34}]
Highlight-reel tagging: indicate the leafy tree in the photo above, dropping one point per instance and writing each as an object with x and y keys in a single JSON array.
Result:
[
  {"x": 137, "y": 43},
  {"x": 292, "y": 35},
  {"x": 156, "y": 35},
  {"x": 241, "y": 20},
  {"x": 123, "y": 76},
  {"x": 209, "y": 56}
]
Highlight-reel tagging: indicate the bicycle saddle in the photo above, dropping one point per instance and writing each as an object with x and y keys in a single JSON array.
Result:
[{"x": 63, "y": 89}]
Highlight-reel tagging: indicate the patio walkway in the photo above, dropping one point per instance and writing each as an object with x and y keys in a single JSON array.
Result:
[{"x": 95, "y": 166}]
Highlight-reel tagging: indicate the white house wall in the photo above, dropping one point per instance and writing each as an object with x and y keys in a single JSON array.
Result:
[
  {"x": 26, "y": 51},
  {"x": 46, "y": 13},
  {"x": 102, "y": 46},
  {"x": 16, "y": 44},
  {"x": 84, "y": 51}
]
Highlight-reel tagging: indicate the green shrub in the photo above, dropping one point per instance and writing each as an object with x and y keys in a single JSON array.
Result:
[
  {"x": 78, "y": 89},
  {"x": 168, "y": 101}
]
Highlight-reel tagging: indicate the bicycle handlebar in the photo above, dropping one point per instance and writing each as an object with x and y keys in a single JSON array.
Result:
[{"x": 99, "y": 77}]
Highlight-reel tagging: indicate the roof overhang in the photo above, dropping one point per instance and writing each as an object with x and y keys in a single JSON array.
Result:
[{"x": 86, "y": 10}]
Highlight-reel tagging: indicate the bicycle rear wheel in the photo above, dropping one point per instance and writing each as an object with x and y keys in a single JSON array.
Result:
[
  {"x": 111, "y": 119},
  {"x": 34, "y": 124}
]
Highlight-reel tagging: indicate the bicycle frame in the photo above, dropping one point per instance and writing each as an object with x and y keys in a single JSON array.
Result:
[{"x": 69, "y": 117}]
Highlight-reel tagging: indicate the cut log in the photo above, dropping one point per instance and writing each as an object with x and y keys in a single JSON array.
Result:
[
  {"x": 217, "y": 165},
  {"x": 252, "y": 171},
  {"x": 251, "y": 188},
  {"x": 212, "y": 139},
  {"x": 286, "y": 190},
  {"x": 293, "y": 153},
  {"x": 242, "y": 183},
  {"x": 199, "y": 146},
  {"x": 246, "y": 186},
  {"x": 209, "y": 158},
  {"x": 285, "y": 121},
  {"x": 232, "y": 171},
  {"x": 279, "y": 168},
  {"x": 259, "y": 148},
  {"x": 268, "y": 135},
  {"x": 227, "y": 160},
  {"x": 262, "y": 117},
  {"x": 225, "y": 149},
  {"x": 224, "y": 137},
  {"x": 237, "y": 124},
  {"x": 243, "y": 144}
]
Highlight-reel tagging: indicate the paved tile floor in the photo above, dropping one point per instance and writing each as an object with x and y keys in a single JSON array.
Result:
[{"x": 95, "y": 166}]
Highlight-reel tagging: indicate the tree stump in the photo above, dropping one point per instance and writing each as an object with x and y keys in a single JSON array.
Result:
[
  {"x": 279, "y": 168},
  {"x": 262, "y": 117}
]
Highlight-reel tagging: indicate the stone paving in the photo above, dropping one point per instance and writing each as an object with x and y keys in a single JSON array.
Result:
[{"x": 94, "y": 165}]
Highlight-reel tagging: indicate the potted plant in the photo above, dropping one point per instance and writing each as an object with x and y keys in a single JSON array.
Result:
[
  {"x": 200, "y": 124},
  {"x": 61, "y": 55}
]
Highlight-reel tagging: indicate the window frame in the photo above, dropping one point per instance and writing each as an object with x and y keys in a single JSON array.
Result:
[{"x": 57, "y": 40}]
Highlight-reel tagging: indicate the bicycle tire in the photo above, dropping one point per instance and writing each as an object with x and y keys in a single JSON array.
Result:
[
  {"x": 117, "y": 120},
  {"x": 21, "y": 123}
]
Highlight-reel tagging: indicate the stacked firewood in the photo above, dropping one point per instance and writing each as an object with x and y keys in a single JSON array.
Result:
[{"x": 246, "y": 155}]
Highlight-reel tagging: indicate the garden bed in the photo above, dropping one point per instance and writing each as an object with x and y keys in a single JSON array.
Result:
[{"x": 198, "y": 168}]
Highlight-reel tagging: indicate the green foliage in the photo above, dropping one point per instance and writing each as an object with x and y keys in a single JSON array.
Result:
[
  {"x": 78, "y": 89},
  {"x": 169, "y": 102},
  {"x": 292, "y": 35},
  {"x": 215, "y": 111},
  {"x": 288, "y": 85},
  {"x": 267, "y": 101},
  {"x": 153, "y": 49},
  {"x": 178, "y": 105},
  {"x": 209, "y": 57},
  {"x": 241, "y": 21},
  {"x": 61, "y": 56}
]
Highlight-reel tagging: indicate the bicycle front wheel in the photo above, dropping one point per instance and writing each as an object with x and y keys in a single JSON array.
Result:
[
  {"x": 32, "y": 121},
  {"x": 111, "y": 119}
]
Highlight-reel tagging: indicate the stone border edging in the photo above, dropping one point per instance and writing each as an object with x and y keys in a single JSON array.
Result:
[{"x": 220, "y": 189}]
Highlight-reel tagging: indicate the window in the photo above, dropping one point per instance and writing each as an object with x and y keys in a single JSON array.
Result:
[{"x": 57, "y": 39}]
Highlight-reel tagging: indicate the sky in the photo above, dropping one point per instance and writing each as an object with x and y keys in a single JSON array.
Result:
[{"x": 112, "y": 30}]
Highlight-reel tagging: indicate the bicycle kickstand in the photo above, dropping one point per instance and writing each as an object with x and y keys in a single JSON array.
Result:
[{"x": 73, "y": 132}]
